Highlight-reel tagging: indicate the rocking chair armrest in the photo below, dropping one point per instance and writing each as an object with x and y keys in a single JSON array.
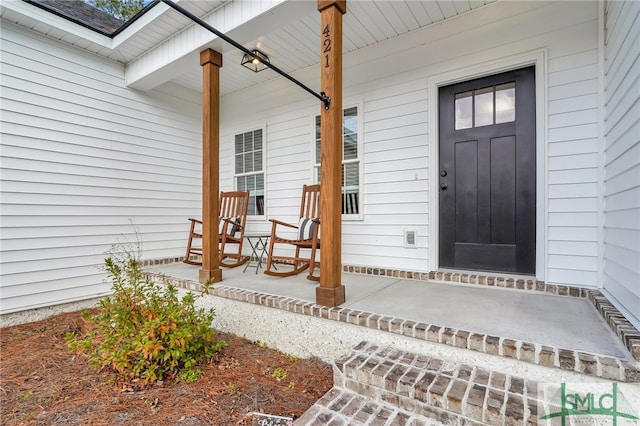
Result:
[
  {"x": 279, "y": 222},
  {"x": 195, "y": 220},
  {"x": 231, "y": 221}
]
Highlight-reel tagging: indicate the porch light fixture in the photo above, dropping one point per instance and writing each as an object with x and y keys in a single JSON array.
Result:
[{"x": 256, "y": 61}]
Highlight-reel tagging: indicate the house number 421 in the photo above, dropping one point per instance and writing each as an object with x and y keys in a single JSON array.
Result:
[{"x": 327, "y": 45}]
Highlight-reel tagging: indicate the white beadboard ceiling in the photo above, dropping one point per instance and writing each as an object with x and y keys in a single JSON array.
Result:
[{"x": 292, "y": 46}]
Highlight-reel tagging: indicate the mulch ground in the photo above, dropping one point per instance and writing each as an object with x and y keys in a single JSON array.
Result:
[{"x": 43, "y": 383}]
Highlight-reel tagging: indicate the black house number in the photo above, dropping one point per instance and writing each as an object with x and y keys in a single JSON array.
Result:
[{"x": 327, "y": 45}]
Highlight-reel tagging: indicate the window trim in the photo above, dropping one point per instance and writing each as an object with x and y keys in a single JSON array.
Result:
[
  {"x": 360, "y": 160},
  {"x": 246, "y": 129}
]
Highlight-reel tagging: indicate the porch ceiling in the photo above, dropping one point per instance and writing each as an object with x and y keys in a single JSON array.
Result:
[
  {"x": 295, "y": 45},
  {"x": 288, "y": 33}
]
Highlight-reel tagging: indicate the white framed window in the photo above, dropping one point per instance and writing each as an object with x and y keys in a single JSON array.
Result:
[
  {"x": 351, "y": 161},
  {"x": 249, "y": 168}
]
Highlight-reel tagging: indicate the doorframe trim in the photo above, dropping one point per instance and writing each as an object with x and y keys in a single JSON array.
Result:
[{"x": 469, "y": 71}]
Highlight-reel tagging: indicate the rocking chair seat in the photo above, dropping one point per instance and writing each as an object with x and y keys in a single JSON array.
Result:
[{"x": 231, "y": 226}]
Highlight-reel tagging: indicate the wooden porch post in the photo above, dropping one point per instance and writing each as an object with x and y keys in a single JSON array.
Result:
[
  {"x": 331, "y": 291},
  {"x": 211, "y": 62}
]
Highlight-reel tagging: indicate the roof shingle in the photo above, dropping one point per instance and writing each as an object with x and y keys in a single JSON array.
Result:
[{"x": 81, "y": 13}]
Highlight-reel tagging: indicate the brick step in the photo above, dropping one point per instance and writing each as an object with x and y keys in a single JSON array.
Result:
[
  {"x": 385, "y": 386},
  {"x": 344, "y": 407}
]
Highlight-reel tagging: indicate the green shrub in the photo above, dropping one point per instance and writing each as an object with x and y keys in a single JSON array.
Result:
[{"x": 144, "y": 331}]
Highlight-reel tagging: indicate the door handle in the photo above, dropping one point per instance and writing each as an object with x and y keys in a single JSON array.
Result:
[{"x": 443, "y": 186}]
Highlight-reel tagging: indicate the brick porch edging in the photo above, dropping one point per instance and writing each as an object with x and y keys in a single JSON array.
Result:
[
  {"x": 622, "y": 328},
  {"x": 582, "y": 362},
  {"x": 528, "y": 284}
]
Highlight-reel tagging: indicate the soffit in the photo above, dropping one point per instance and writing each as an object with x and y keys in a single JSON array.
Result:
[
  {"x": 291, "y": 39},
  {"x": 295, "y": 45}
]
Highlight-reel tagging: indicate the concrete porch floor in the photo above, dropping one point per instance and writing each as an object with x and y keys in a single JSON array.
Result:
[{"x": 557, "y": 321}]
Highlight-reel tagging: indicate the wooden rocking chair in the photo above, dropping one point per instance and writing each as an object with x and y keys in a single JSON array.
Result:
[
  {"x": 232, "y": 219},
  {"x": 306, "y": 237}
]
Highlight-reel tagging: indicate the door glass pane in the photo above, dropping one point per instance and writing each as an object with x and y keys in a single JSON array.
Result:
[
  {"x": 464, "y": 108},
  {"x": 484, "y": 107},
  {"x": 505, "y": 103}
]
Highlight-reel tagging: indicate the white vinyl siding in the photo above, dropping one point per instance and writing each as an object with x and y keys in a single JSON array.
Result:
[
  {"x": 572, "y": 152},
  {"x": 622, "y": 158},
  {"x": 395, "y": 159},
  {"x": 395, "y": 177},
  {"x": 85, "y": 161}
]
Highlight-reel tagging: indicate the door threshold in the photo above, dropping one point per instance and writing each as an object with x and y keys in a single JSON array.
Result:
[{"x": 496, "y": 274}]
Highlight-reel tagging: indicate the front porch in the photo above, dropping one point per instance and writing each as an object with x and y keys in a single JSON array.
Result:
[
  {"x": 572, "y": 330},
  {"x": 433, "y": 349}
]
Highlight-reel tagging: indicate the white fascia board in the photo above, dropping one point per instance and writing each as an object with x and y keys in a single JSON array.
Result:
[
  {"x": 149, "y": 16},
  {"x": 41, "y": 15},
  {"x": 163, "y": 62},
  {"x": 155, "y": 75}
]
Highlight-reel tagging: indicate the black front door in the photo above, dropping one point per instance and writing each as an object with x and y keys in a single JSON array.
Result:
[{"x": 487, "y": 178}]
